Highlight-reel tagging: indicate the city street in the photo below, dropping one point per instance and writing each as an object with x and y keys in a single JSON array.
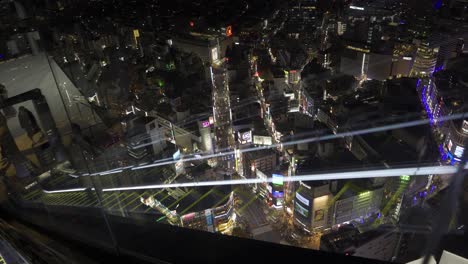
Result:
[{"x": 253, "y": 208}]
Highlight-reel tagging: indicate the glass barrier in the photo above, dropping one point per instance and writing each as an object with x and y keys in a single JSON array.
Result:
[{"x": 339, "y": 128}]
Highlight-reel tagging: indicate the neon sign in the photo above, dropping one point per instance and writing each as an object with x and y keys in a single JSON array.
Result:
[
  {"x": 229, "y": 31},
  {"x": 205, "y": 123}
]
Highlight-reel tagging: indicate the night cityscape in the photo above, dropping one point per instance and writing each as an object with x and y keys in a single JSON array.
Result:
[{"x": 331, "y": 127}]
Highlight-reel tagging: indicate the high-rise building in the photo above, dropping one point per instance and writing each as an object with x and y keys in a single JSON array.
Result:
[
  {"x": 263, "y": 160},
  {"x": 157, "y": 135},
  {"x": 420, "y": 18},
  {"x": 402, "y": 59},
  {"x": 449, "y": 48},
  {"x": 145, "y": 136},
  {"x": 302, "y": 19},
  {"x": 459, "y": 9},
  {"x": 311, "y": 205},
  {"x": 445, "y": 93},
  {"x": 204, "y": 128},
  {"x": 358, "y": 206},
  {"x": 425, "y": 62},
  {"x": 218, "y": 219}
]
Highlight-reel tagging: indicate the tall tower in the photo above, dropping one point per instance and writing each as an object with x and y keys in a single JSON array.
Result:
[
  {"x": 425, "y": 62},
  {"x": 420, "y": 18}
]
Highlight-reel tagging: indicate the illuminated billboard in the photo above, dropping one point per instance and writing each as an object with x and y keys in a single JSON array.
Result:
[
  {"x": 319, "y": 215},
  {"x": 458, "y": 151},
  {"x": 245, "y": 137},
  {"x": 302, "y": 199},
  {"x": 136, "y": 33},
  {"x": 301, "y": 210},
  {"x": 176, "y": 155},
  {"x": 277, "y": 179},
  {"x": 205, "y": 123},
  {"x": 278, "y": 194},
  {"x": 455, "y": 150},
  {"x": 188, "y": 217},
  {"x": 262, "y": 140},
  {"x": 214, "y": 54}
]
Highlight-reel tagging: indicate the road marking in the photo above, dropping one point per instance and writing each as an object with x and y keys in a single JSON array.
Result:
[
  {"x": 116, "y": 196},
  {"x": 91, "y": 201},
  {"x": 82, "y": 199},
  {"x": 224, "y": 198},
  {"x": 217, "y": 192},
  {"x": 106, "y": 196},
  {"x": 248, "y": 203},
  {"x": 180, "y": 199},
  {"x": 31, "y": 194},
  {"x": 126, "y": 197},
  {"x": 72, "y": 199}
]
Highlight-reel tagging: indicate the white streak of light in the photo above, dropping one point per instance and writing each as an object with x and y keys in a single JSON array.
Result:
[
  {"x": 66, "y": 190},
  {"x": 363, "y": 63},
  {"x": 414, "y": 171},
  {"x": 315, "y": 139},
  {"x": 110, "y": 172},
  {"x": 68, "y": 97}
]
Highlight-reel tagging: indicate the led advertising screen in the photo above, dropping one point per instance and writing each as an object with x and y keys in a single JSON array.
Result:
[
  {"x": 302, "y": 199},
  {"x": 176, "y": 155},
  {"x": 458, "y": 151},
  {"x": 301, "y": 210},
  {"x": 214, "y": 54},
  {"x": 245, "y": 137},
  {"x": 262, "y": 140},
  {"x": 277, "y": 179},
  {"x": 278, "y": 194}
]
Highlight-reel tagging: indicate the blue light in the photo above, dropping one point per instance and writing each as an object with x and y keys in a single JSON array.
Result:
[
  {"x": 438, "y": 69},
  {"x": 451, "y": 158},
  {"x": 426, "y": 106},
  {"x": 443, "y": 154},
  {"x": 378, "y": 216},
  {"x": 438, "y": 4}
]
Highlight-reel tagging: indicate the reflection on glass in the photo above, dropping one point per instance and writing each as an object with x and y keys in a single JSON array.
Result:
[{"x": 337, "y": 127}]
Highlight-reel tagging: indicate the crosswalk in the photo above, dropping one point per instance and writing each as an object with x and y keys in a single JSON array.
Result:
[{"x": 128, "y": 201}]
